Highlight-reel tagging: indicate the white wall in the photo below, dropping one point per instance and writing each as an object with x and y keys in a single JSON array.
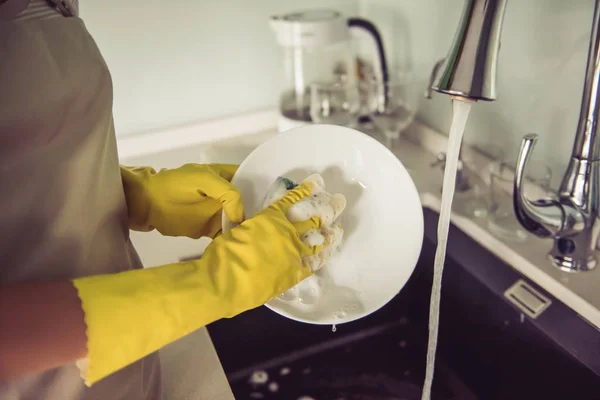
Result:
[
  {"x": 174, "y": 62},
  {"x": 540, "y": 72}
]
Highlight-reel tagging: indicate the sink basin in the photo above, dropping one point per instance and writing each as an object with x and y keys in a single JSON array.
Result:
[{"x": 489, "y": 348}]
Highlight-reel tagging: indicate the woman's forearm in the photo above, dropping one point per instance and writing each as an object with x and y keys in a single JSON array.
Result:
[{"x": 42, "y": 326}]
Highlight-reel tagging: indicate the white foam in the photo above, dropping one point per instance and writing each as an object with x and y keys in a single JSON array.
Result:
[{"x": 320, "y": 292}]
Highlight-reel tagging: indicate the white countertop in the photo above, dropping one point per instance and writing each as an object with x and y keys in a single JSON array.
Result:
[{"x": 191, "y": 366}]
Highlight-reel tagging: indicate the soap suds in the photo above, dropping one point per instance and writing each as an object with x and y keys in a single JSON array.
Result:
[{"x": 318, "y": 292}]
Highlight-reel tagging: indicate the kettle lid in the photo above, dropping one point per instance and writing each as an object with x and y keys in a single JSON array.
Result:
[{"x": 310, "y": 28}]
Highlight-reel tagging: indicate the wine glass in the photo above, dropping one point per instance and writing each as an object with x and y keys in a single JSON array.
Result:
[
  {"x": 335, "y": 103},
  {"x": 393, "y": 104}
]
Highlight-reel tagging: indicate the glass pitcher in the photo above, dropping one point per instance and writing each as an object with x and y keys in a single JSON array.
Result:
[{"x": 319, "y": 47}]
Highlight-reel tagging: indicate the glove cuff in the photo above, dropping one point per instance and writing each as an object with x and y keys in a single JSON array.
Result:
[{"x": 135, "y": 186}]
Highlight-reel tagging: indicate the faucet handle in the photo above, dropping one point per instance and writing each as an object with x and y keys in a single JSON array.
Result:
[{"x": 543, "y": 218}]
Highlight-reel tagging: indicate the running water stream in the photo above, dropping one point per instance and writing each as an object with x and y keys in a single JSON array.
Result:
[{"x": 461, "y": 108}]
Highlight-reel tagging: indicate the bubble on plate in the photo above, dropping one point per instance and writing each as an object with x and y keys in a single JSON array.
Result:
[{"x": 290, "y": 295}]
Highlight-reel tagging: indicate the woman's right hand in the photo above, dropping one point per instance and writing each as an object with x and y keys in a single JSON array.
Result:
[
  {"x": 131, "y": 314},
  {"x": 289, "y": 240}
]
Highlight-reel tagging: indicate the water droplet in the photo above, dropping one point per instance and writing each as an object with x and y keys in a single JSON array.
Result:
[
  {"x": 306, "y": 371},
  {"x": 402, "y": 344},
  {"x": 333, "y": 328},
  {"x": 256, "y": 395},
  {"x": 289, "y": 295},
  {"x": 273, "y": 387},
  {"x": 284, "y": 371},
  {"x": 259, "y": 378},
  {"x": 522, "y": 317}
]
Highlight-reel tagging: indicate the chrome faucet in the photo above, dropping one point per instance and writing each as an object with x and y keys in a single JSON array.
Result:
[
  {"x": 469, "y": 69},
  {"x": 572, "y": 217}
]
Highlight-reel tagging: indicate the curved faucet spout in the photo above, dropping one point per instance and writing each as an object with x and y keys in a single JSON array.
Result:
[{"x": 543, "y": 218}]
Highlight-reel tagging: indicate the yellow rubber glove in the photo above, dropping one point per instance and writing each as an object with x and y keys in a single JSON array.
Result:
[
  {"x": 186, "y": 201},
  {"x": 134, "y": 313}
]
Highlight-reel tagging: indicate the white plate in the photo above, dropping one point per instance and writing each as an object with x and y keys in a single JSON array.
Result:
[{"x": 383, "y": 220}]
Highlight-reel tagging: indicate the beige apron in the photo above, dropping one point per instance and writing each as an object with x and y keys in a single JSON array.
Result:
[{"x": 63, "y": 212}]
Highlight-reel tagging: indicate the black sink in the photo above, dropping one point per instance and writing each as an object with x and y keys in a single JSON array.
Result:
[{"x": 488, "y": 348}]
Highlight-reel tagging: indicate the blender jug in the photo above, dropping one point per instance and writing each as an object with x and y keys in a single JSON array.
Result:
[{"x": 318, "y": 47}]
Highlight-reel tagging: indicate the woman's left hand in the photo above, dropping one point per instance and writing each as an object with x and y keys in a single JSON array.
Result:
[{"x": 186, "y": 201}]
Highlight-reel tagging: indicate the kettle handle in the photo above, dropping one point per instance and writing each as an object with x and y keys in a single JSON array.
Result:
[{"x": 363, "y": 24}]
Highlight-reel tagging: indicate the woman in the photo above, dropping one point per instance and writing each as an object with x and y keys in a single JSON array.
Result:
[{"x": 79, "y": 317}]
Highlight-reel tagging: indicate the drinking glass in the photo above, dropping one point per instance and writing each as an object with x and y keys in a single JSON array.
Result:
[
  {"x": 537, "y": 181},
  {"x": 393, "y": 104},
  {"x": 335, "y": 103},
  {"x": 475, "y": 201},
  {"x": 502, "y": 221}
]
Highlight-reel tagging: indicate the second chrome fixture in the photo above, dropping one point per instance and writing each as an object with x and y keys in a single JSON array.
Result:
[{"x": 571, "y": 218}]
